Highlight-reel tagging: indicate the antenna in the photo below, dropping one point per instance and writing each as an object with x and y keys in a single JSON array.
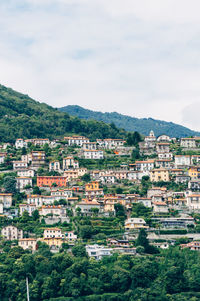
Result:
[{"x": 27, "y": 288}]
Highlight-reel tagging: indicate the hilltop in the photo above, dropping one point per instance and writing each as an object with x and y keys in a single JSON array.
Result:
[
  {"x": 142, "y": 125},
  {"x": 23, "y": 117}
]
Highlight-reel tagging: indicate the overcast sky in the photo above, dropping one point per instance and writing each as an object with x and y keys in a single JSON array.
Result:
[{"x": 140, "y": 58}]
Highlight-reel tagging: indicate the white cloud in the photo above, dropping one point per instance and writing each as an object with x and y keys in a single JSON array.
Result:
[{"x": 137, "y": 57}]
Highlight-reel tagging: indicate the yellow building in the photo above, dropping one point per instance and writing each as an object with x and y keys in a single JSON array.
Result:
[
  {"x": 94, "y": 185},
  {"x": 160, "y": 174},
  {"x": 194, "y": 172},
  {"x": 53, "y": 241},
  {"x": 109, "y": 204}
]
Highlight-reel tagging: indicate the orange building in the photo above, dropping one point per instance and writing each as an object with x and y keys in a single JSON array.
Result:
[{"x": 50, "y": 180}]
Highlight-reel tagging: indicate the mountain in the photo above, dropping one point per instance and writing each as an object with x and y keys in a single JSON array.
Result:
[
  {"x": 141, "y": 125},
  {"x": 23, "y": 117}
]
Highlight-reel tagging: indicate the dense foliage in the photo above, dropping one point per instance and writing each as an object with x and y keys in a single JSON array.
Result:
[
  {"x": 174, "y": 275},
  {"x": 142, "y": 125},
  {"x": 22, "y": 117}
]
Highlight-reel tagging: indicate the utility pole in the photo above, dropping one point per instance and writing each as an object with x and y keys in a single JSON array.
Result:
[{"x": 27, "y": 288}]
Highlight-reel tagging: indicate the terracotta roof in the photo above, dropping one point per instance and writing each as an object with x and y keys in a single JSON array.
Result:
[{"x": 160, "y": 203}]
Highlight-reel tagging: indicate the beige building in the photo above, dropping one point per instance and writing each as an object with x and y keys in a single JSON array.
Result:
[
  {"x": 28, "y": 243},
  {"x": 6, "y": 199},
  {"x": 193, "y": 201},
  {"x": 160, "y": 174},
  {"x": 71, "y": 174},
  {"x": 58, "y": 211},
  {"x": 160, "y": 207},
  {"x": 11, "y": 233},
  {"x": 87, "y": 206}
]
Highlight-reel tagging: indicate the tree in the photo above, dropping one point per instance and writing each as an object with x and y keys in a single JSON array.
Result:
[
  {"x": 36, "y": 190},
  {"x": 25, "y": 217},
  {"x": 95, "y": 211},
  {"x": 133, "y": 138},
  {"x": 135, "y": 154},
  {"x": 139, "y": 210},
  {"x": 142, "y": 240},
  {"x": 78, "y": 211},
  {"x": 86, "y": 177},
  {"x": 9, "y": 184},
  {"x": 86, "y": 232},
  {"x": 35, "y": 215},
  {"x": 79, "y": 251},
  {"x": 119, "y": 190},
  {"x": 120, "y": 211}
]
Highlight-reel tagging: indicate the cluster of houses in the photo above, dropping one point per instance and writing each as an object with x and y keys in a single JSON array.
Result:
[
  {"x": 53, "y": 237},
  {"x": 62, "y": 192}
]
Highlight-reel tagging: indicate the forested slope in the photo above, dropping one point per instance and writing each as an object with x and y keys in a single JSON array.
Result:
[
  {"x": 23, "y": 117},
  {"x": 141, "y": 125}
]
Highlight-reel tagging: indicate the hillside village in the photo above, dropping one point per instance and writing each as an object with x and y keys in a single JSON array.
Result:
[{"x": 100, "y": 193}]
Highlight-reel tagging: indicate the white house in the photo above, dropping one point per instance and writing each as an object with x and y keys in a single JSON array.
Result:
[
  {"x": 144, "y": 165},
  {"x": 70, "y": 163},
  {"x": 93, "y": 154},
  {"x": 108, "y": 179},
  {"x": 22, "y": 182},
  {"x": 27, "y": 207},
  {"x": 135, "y": 223},
  {"x": 76, "y": 140},
  {"x": 98, "y": 252},
  {"x": 20, "y": 143},
  {"x": 70, "y": 236},
  {"x": 53, "y": 232},
  {"x": 19, "y": 165},
  {"x": 164, "y": 138},
  {"x": 165, "y": 156},
  {"x": 26, "y": 173},
  {"x": 188, "y": 142},
  {"x": 193, "y": 201},
  {"x": 182, "y": 160},
  {"x": 136, "y": 175},
  {"x": 2, "y": 157},
  {"x": 110, "y": 143},
  {"x": 54, "y": 166},
  {"x": 62, "y": 193}
]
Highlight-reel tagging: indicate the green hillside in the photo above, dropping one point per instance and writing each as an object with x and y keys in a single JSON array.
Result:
[
  {"x": 142, "y": 125},
  {"x": 23, "y": 117}
]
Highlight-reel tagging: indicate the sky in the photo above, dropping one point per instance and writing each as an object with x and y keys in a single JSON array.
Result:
[{"x": 139, "y": 58}]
